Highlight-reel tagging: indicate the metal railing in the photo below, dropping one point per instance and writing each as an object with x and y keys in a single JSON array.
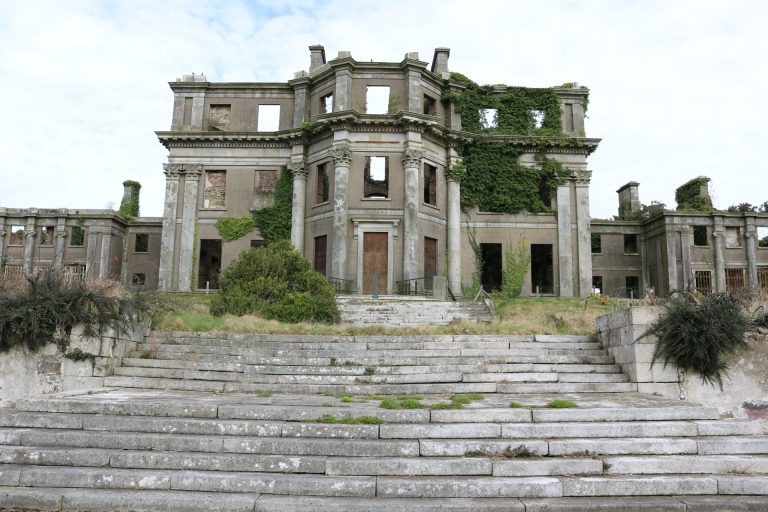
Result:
[
  {"x": 341, "y": 285},
  {"x": 487, "y": 300},
  {"x": 416, "y": 286}
]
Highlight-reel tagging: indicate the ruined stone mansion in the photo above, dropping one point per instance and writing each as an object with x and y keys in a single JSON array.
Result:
[{"x": 377, "y": 155}]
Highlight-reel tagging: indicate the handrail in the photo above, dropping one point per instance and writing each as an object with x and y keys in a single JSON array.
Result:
[
  {"x": 411, "y": 286},
  {"x": 341, "y": 285},
  {"x": 487, "y": 300}
]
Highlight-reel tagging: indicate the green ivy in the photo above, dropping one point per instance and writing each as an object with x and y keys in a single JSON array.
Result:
[
  {"x": 688, "y": 196},
  {"x": 513, "y": 276},
  {"x": 232, "y": 228},
  {"x": 274, "y": 222},
  {"x": 130, "y": 209}
]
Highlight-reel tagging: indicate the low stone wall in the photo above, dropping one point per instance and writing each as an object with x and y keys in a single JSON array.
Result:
[
  {"x": 25, "y": 374},
  {"x": 745, "y": 388}
]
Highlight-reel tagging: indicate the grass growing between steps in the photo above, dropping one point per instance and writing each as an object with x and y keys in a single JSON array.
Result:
[
  {"x": 458, "y": 401},
  {"x": 542, "y": 315},
  {"x": 518, "y": 452}
]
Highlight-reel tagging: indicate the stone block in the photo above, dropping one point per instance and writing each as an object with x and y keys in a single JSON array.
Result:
[
  {"x": 601, "y": 324},
  {"x": 611, "y": 504},
  {"x": 167, "y": 501},
  {"x": 742, "y": 485},
  {"x": 639, "y": 486},
  {"x": 328, "y": 447},
  {"x": 662, "y": 372},
  {"x": 96, "y": 478},
  {"x": 468, "y": 487},
  {"x": 607, "y": 429},
  {"x": 76, "y": 368},
  {"x": 624, "y": 446},
  {"x": 460, "y": 447},
  {"x": 331, "y": 431},
  {"x": 734, "y": 445},
  {"x": 37, "y": 499},
  {"x": 10, "y": 477},
  {"x": 665, "y": 389},
  {"x": 275, "y": 484},
  {"x": 729, "y": 428},
  {"x": 645, "y": 315},
  {"x": 380, "y": 504},
  {"x": 53, "y": 456},
  {"x": 415, "y": 466},
  {"x": 217, "y": 462},
  {"x": 521, "y": 467},
  {"x": 34, "y": 420},
  {"x": 481, "y": 415},
  {"x": 444, "y": 431},
  {"x": 75, "y": 383}
]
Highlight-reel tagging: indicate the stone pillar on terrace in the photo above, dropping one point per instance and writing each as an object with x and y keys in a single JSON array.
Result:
[
  {"x": 411, "y": 232},
  {"x": 29, "y": 243},
  {"x": 168, "y": 237},
  {"x": 299, "y": 172},
  {"x": 750, "y": 233},
  {"x": 104, "y": 256},
  {"x": 454, "y": 175},
  {"x": 189, "y": 209},
  {"x": 673, "y": 234},
  {"x": 342, "y": 157},
  {"x": 58, "y": 249},
  {"x": 2, "y": 246},
  {"x": 719, "y": 241},
  {"x": 583, "y": 231},
  {"x": 565, "y": 240}
]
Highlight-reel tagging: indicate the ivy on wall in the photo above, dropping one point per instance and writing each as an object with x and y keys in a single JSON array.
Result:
[
  {"x": 274, "y": 222},
  {"x": 232, "y": 228},
  {"x": 130, "y": 209},
  {"x": 689, "y": 197}
]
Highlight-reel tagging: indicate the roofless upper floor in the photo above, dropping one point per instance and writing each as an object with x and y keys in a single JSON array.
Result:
[{"x": 343, "y": 88}]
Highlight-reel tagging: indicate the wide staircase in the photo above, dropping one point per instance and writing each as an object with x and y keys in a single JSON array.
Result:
[
  {"x": 407, "y": 310},
  {"x": 231, "y": 422}
]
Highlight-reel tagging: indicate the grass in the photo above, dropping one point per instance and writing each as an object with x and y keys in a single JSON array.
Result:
[
  {"x": 264, "y": 394},
  {"x": 401, "y": 402},
  {"x": 543, "y": 315},
  {"x": 552, "y": 404},
  {"x": 518, "y": 452},
  {"x": 458, "y": 401}
]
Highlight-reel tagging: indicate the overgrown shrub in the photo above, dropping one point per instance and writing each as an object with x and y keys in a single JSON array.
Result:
[
  {"x": 277, "y": 283},
  {"x": 45, "y": 309},
  {"x": 696, "y": 337},
  {"x": 274, "y": 222},
  {"x": 513, "y": 275}
]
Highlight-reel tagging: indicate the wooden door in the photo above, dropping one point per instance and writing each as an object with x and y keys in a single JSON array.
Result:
[
  {"x": 430, "y": 261},
  {"x": 375, "y": 260}
]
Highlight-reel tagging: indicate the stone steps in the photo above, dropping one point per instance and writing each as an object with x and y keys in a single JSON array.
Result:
[{"x": 411, "y": 311}]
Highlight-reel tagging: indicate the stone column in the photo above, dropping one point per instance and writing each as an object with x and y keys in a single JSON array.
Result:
[
  {"x": 750, "y": 233},
  {"x": 104, "y": 260},
  {"x": 411, "y": 232},
  {"x": 90, "y": 252},
  {"x": 189, "y": 209},
  {"x": 2, "y": 248},
  {"x": 453, "y": 203},
  {"x": 298, "y": 206},
  {"x": 342, "y": 157},
  {"x": 584, "y": 231},
  {"x": 565, "y": 240},
  {"x": 29, "y": 244},
  {"x": 672, "y": 276},
  {"x": 168, "y": 237},
  {"x": 719, "y": 242},
  {"x": 58, "y": 251}
]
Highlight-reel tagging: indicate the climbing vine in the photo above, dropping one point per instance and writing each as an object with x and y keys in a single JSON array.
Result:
[
  {"x": 232, "y": 228},
  {"x": 274, "y": 222},
  {"x": 130, "y": 209},
  {"x": 513, "y": 275},
  {"x": 689, "y": 197}
]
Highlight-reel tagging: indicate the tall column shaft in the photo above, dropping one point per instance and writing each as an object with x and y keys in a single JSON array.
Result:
[
  {"x": 454, "y": 237},
  {"x": 189, "y": 209},
  {"x": 342, "y": 157},
  {"x": 168, "y": 237},
  {"x": 58, "y": 250},
  {"x": 719, "y": 261},
  {"x": 411, "y": 232},
  {"x": 298, "y": 206},
  {"x": 671, "y": 238},
  {"x": 752, "y": 280},
  {"x": 2, "y": 246},
  {"x": 29, "y": 246},
  {"x": 583, "y": 233},
  {"x": 104, "y": 260},
  {"x": 564, "y": 240}
]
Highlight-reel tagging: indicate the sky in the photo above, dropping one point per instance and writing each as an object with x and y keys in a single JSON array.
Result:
[{"x": 675, "y": 86}]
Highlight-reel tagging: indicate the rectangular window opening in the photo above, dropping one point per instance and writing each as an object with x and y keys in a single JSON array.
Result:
[
  {"x": 219, "y": 116},
  {"x": 269, "y": 118},
  {"x": 209, "y": 265},
  {"x": 732, "y": 238},
  {"x": 326, "y": 104},
  {"x": 491, "y": 277},
  {"x": 187, "y": 112},
  {"x": 597, "y": 243},
  {"x": 430, "y": 184},
  {"x": 537, "y": 116},
  {"x": 17, "y": 235},
  {"x": 568, "y": 115},
  {"x": 702, "y": 280},
  {"x": 542, "y": 269},
  {"x": 321, "y": 185},
  {"x": 215, "y": 191},
  {"x": 430, "y": 105},
  {"x": 376, "y": 177},
  {"x": 630, "y": 244},
  {"x": 77, "y": 236},
  {"x": 632, "y": 284},
  {"x": 489, "y": 118},
  {"x": 46, "y": 236},
  {"x": 377, "y": 99},
  {"x": 734, "y": 279},
  {"x": 139, "y": 279},
  {"x": 597, "y": 284},
  {"x": 321, "y": 257},
  {"x": 762, "y": 277},
  {"x": 762, "y": 237},
  {"x": 141, "y": 244},
  {"x": 700, "y": 236}
]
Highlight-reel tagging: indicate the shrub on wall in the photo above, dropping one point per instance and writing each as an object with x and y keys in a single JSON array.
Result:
[
  {"x": 513, "y": 275},
  {"x": 275, "y": 282},
  {"x": 274, "y": 222}
]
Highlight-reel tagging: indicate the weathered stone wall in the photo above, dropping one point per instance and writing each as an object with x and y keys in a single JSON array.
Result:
[
  {"x": 745, "y": 389},
  {"x": 24, "y": 374}
]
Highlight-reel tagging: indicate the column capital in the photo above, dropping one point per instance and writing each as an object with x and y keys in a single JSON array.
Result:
[
  {"x": 172, "y": 171},
  {"x": 298, "y": 170},
  {"x": 412, "y": 155},
  {"x": 581, "y": 177},
  {"x": 456, "y": 172},
  {"x": 342, "y": 154},
  {"x": 193, "y": 171},
  {"x": 62, "y": 233}
]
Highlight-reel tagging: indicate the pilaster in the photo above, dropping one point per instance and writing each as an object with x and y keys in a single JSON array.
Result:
[
  {"x": 718, "y": 236},
  {"x": 168, "y": 237},
  {"x": 2, "y": 246},
  {"x": 342, "y": 157},
  {"x": 187, "y": 242},
  {"x": 29, "y": 243},
  {"x": 565, "y": 240},
  {"x": 750, "y": 234},
  {"x": 104, "y": 260},
  {"x": 58, "y": 251},
  {"x": 672, "y": 277},
  {"x": 299, "y": 171},
  {"x": 583, "y": 233},
  {"x": 411, "y": 233}
]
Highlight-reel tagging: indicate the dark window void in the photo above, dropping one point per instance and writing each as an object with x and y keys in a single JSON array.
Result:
[
  {"x": 321, "y": 185},
  {"x": 141, "y": 244},
  {"x": 597, "y": 284},
  {"x": 630, "y": 244},
  {"x": 77, "y": 237},
  {"x": 46, "y": 236},
  {"x": 568, "y": 117},
  {"x": 734, "y": 279},
  {"x": 326, "y": 104},
  {"x": 210, "y": 264},
  {"x": 700, "y": 237},
  {"x": 139, "y": 279},
  {"x": 542, "y": 269},
  {"x": 321, "y": 250},
  {"x": 376, "y": 177},
  {"x": 762, "y": 277},
  {"x": 703, "y": 281},
  {"x": 597, "y": 244},
  {"x": 255, "y": 244},
  {"x": 545, "y": 191},
  {"x": 430, "y": 261},
  {"x": 430, "y": 105},
  {"x": 632, "y": 283},
  {"x": 430, "y": 184},
  {"x": 491, "y": 278}
]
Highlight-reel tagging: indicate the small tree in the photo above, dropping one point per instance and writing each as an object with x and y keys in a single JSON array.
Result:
[{"x": 514, "y": 274}]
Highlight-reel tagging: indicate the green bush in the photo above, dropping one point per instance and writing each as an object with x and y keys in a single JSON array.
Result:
[
  {"x": 695, "y": 337},
  {"x": 277, "y": 283}
]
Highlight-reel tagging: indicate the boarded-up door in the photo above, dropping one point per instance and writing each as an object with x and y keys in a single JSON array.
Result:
[
  {"x": 430, "y": 261},
  {"x": 374, "y": 261}
]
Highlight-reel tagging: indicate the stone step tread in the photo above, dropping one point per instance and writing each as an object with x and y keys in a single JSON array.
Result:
[
  {"x": 567, "y": 387},
  {"x": 303, "y": 338}
]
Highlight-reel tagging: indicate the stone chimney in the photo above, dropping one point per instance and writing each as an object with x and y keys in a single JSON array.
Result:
[
  {"x": 629, "y": 200},
  {"x": 440, "y": 60},
  {"x": 129, "y": 205},
  {"x": 316, "y": 57}
]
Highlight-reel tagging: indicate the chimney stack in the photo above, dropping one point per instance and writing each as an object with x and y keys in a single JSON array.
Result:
[
  {"x": 316, "y": 57},
  {"x": 629, "y": 200},
  {"x": 440, "y": 61}
]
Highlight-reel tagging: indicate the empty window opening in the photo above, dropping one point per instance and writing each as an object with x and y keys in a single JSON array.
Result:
[
  {"x": 542, "y": 269},
  {"x": 214, "y": 194},
  {"x": 377, "y": 99},
  {"x": 491, "y": 275},
  {"x": 597, "y": 244},
  {"x": 430, "y": 105},
  {"x": 219, "y": 116},
  {"x": 632, "y": 284},
  {"x": 376, "y": 177},
  {"x": 702, "y": 281},
  {"x": 46, "y": 236},
  {"x": 762, "y": 237},
  {"x": 326, "y": 104},
  {"x": 734, "y": 279},
  {"x": 545, "y": 191},
  {"x": 762, "y": 277},
  {"x": 141, "y": 243},
  {"x": 321, "y": 195},
  {"x": 209, "y": 265},
  {"x": 597, "y": 284},
  {"x": 256, "y": 244},
  {"x": 187, "y": 120},
  {"x": 139, "y": 279},
  {"x": 430, "y": 184},
  {"x": 732, "y": 237},
  {"x": 489, "y": 117},
  {"x": 630, "y": 244},
  {"x": 700, "y": 237},
  {"x": 269, "y": 118},
  {"x": 568, "y": 117},
  {"x": 321, "y": 257},
  {"x": 77, "y": 236},
  {"x": 17, "y": 235},
  {"x": 537, "y": 116},
  {"x": 430, "y": 262}
]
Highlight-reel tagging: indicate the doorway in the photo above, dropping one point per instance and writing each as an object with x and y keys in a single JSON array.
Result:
[
  {"x": 542, "y": 269},
  {"x": 430, "y": 261},
  {"x": 491, "y": 278},
  {"x": 375, "y": 260},
  {"x": 210, "y": 264}
]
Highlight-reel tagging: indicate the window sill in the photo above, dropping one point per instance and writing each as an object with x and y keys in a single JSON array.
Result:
[
  {"x": 631, "y": 254},
  {"x": 324, "y": 203},
  {"x": 221, "y": 209},
  {"x": 377, "y": 199},
  {"x": 434, "y": 207}
]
